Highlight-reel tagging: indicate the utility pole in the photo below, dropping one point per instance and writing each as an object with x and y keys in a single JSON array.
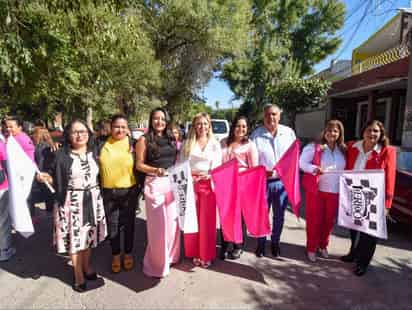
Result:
[{"x": 407, "y": 123}]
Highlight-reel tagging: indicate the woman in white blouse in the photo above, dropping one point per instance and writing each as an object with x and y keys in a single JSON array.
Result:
[
  {"x": 204, "y": 154},
  {"x": 318, "y": 161}
]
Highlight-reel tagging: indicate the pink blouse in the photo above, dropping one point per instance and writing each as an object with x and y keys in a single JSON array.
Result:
[
  {"x": 26, "y": 144},
  {"x": 246, "y": 154},
  {"x": 5, "y": 184}
]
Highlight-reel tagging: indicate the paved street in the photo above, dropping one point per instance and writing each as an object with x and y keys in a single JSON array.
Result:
[{"x": 38, "y": 278}]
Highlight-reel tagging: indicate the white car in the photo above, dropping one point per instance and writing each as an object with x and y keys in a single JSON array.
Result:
[{"x": 220, "y": 128}]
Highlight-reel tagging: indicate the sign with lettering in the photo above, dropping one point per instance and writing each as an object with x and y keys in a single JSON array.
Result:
[
  {"x": 182, "y": 185},
  {"x": 362, "y": 202}
]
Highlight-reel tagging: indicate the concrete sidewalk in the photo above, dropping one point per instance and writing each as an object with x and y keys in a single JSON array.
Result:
[{"x": 38, "y": 278}]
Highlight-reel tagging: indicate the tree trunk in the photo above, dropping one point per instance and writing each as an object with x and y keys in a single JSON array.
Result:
[{"x": 89, "y": 118}]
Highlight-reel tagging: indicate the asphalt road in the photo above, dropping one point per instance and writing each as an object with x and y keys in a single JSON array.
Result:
[{"x": 38, "y": 278}]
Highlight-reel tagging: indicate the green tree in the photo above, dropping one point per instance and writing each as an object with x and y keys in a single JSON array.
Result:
[
  {"x": 288, "y": 38},
  {"x": 78, "y": 55},
  {"x": 299, "y": 94},
  {"x": 192, "y": 39}
]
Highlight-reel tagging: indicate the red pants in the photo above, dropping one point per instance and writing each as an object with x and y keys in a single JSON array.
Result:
[
  {"x": 203, "y": 243},
  {"x": 321, "y": 211}
]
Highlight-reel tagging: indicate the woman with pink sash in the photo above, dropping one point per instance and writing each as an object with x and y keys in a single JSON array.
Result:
[
  {"x": 321, "y": 186},
  {"x": 156, "y": 151},
  {"x": 237, "y": 146},
  {"x": 204, "y": 154}
]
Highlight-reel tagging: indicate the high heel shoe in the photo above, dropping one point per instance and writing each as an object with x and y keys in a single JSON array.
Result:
[
  {"x": 260, "y": 251},
  {"x": 91, "y": 277},
  {"x": 349, "y": 258},
  {"x": 79, "y": 288},
  {"x": 360, "y": 271},
  {"x": 196, "y": 261},
  {"x": 235, "y": 254},
  {"x": 222, "y": 254},
  {"x": 206, "y": 264}
]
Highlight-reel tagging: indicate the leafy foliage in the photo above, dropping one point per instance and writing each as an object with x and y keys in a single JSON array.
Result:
[
  {"x": 288, "y": 38},
  {"x": 113, "y": 55},
  {"x": 299, "y": 94},
  {"x": 132, "y": 55}
]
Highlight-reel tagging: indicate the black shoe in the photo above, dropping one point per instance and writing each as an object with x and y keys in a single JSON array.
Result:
[
  {"x": 235, "y": 254},
  {"x": 275, "y": 250},
  {"x": 91, "y": 277},
  {"x": 260, "y": 251},
  {"x": 80, "y": 288},
  {"x": 360, "y": 271},
  {"x": 222, "y": 254},
  {"x": 348, "y": 258}
]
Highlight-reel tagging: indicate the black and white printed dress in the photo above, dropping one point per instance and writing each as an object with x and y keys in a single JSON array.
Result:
[{"x": 72, "y": 234}]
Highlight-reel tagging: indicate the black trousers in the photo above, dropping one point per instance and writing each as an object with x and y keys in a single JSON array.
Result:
[
  {"x": 226, "y": 245},
  {"x": 362, "y": 248},
  {"x": 40, "y": 193},
  {"x": 120, "y": 206}
]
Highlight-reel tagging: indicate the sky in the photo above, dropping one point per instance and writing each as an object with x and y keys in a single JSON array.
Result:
[{"x": 363, "y": 18}]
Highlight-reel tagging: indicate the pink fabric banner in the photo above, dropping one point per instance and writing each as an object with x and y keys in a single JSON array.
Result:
[
  {"x": 225, "y": 180},
  {"x": 288, "y": 171},
  {"x": 252, "y": 200}
]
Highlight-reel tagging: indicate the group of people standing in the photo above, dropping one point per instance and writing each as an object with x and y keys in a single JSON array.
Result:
[
  {"x": 319, "y": 161},
  {"x": 98, "y": 181}
]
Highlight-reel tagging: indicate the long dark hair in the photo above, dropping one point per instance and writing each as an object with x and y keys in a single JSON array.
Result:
[
  {"x": 383, "y": 139},
  {"x": 67, "y": 130},
  {"x": 231, "y": 137},
  {"x": 151, "y": 137},
  {"x": 115, "y": 117},
  {"x": 14, "y": 118}
]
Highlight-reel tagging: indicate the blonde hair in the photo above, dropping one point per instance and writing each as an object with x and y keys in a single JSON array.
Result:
[{"x": 191, "y": 138}]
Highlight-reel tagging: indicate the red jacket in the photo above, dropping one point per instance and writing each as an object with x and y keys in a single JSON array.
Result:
[
  {"x": 310, "y": 182},
  {"x": 386, "y": 160}
]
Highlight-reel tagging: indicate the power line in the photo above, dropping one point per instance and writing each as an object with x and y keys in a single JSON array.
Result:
[
  {"x": 354, "y": 11},
  {"x": 369, "y": 9},
  {"x": 365, "y": 13}
]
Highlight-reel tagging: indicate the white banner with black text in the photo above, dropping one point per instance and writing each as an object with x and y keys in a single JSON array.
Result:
[{"x": 362, "y": 202}]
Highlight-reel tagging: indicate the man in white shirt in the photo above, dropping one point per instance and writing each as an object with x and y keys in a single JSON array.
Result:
[{"x": 272, "y": 141}]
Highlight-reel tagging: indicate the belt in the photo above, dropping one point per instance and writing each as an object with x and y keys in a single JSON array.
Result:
[
  {"x": 273, "y": 180},
  {"x": 88, "y": 210},
  {"x": 82, "y": 189},
  {"x": 156, "y": 176}
]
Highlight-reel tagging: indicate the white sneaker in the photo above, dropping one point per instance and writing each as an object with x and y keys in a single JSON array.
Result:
[
  {"x": 6, "y": 254},
  {"x": 324, "y": 253},
  {"x": 312, "y": 256}
]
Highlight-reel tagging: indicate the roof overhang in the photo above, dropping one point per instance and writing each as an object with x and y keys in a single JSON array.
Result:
[
  {"x": 387, "y": 85},
  {"x": 385, "y": 38}
]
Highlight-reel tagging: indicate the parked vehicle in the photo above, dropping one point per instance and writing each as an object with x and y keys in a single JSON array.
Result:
[
  {"x": 401, "y": 209},
  {"x": 220, "y": 128}
]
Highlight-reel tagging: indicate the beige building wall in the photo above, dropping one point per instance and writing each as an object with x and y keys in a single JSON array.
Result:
[{"x": 309, "y": 124}]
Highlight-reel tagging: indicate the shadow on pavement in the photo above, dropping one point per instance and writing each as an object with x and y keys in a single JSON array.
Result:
[
  {"x": 36, "y": 257},
  {"x": 330, "y": 284},
  {"x": 398, "y": 233}
]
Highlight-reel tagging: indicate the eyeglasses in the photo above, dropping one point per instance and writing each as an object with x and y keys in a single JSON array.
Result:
[{"x": 79, "y": 133}]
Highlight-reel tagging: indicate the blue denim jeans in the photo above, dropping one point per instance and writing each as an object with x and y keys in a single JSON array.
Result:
[
  {"x": 5, "y": 221},
  {"x": 278, "y": 200}
]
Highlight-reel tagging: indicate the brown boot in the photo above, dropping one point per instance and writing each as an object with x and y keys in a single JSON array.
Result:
[
  {"x": 128, "y": 262},
  {"x": 116, "y": 265}
]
